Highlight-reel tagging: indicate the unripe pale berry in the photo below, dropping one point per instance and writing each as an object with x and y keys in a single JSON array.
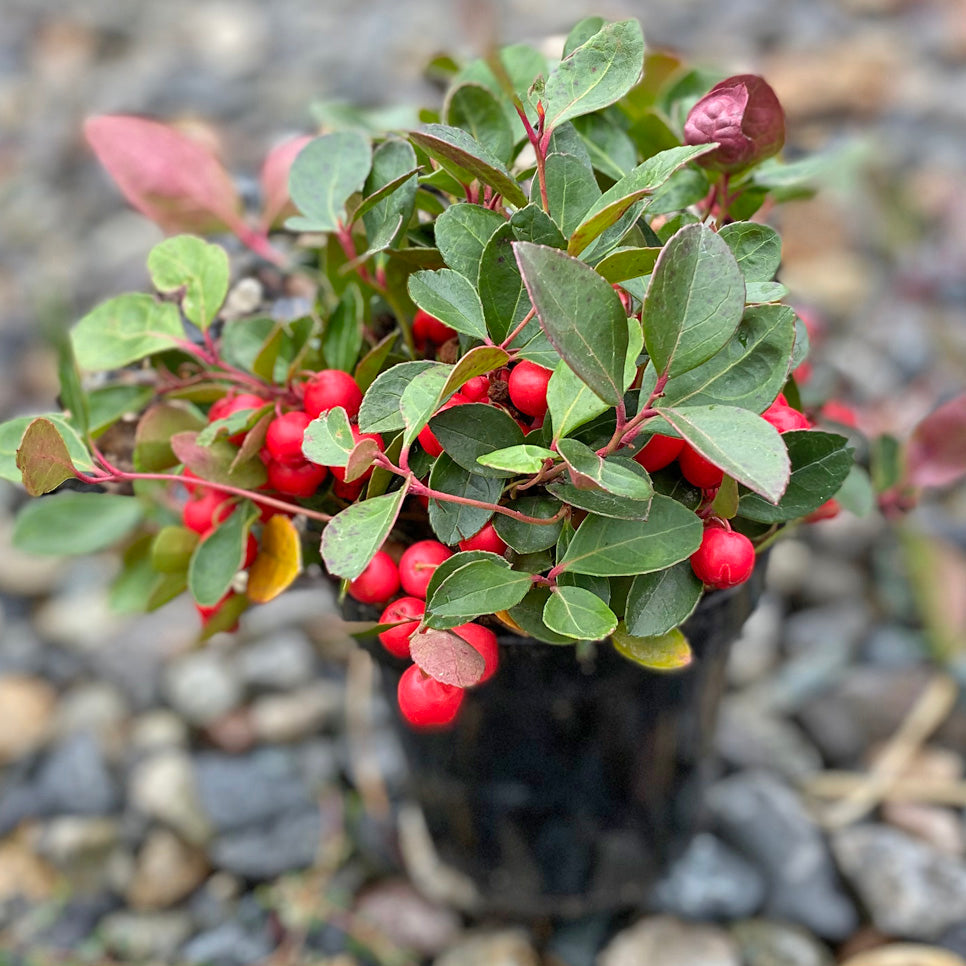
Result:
[
  {"x": 486, "y": 539},
  {"x": 378, "y": 582},
  {"x": 697, "y": 470},
  {"x": 425, "y": 702},
  {"x": 659, "y": 451},
  {"x": 527, "y": 386},
  {"x": 283, "y": 438},
  {"x": 483, "y": 640},
  {"x": 331, "y": 388},
  {"x": 418, "y": 563},
  {"x": 396, "y": 639},
  {"x": 725, "y": 558}
]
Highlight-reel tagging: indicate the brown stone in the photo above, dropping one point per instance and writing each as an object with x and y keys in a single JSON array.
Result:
[
  {"x": 26, "y": 712},
  {"x": 167, "y": 870}
]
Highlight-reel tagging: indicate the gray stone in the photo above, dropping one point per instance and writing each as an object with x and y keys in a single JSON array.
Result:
[
  {"x": 228, "y": 944},
  {"x": 203, "y": 685},
  {"x": 910, "y": 889},
  {"x": 22, "y": 651},
  {"x": 710, "y": 881},
  {"x": 290, "y": 841},
  {"x": 140, "y": 936},
  {"x": 765, "y": 820},
  {"x": 288, "y": 717},
  {"x": 75, "y": 921},
  {"x": 163, "y": 787},
  {"x": 286, "y": 659},
  {"x": 765, "y": 943},
  {"x": 755, "y": 651},
  {"x": 669, "y": 942},
  {"x": 74, "y": 779},
  {"x": 318, "y": 762},
  {"x": 95, "y": 707},
  {"x": 845, "y": 623},
  {"x": 503, "y": 947},
  {"x": 215, "y": 901}
]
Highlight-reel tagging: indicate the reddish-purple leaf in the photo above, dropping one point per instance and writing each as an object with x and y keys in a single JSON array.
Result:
[
  {"x": 170, "y": 177},
  {"x": 42, "y": 458},
  {"x": 217, "y": 461},
  {"x": 744, "y": 116},
  {"x": 936, "y": 453},
  {"x": 276, "y": 203},
  {"x": 447, "y": 657}
]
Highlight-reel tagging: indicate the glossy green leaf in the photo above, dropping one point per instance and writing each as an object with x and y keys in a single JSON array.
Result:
[
  {"x": 578, "y": 613},
  {"x": 622, "y": 477},
  {"x": 601, "y": 502},
  {"x": 73, "y": 396},
  {"x": 195, "y": 267},
  {"x": 502, "y": 292},
  {"x": 328, "y": 440},
  {"x": 667, "y": 652},
  {"x": 124, "y": 329},
  {"x": 596, "y": 74},
  {"x": 451, "y": 298},
  {"x": 757, "y": 249},
  {"x": 475, "y": 109},
  {"x": 581, "y": 315},
  {"x": 75, "y": 523},
  {"x": 529, "y": 537},
  {"x": 342, "y": 334},
  {"x": 528, "y": 616},
  {"x": 611, "y": 151},
  {"x": 353, "y": 537},
  {"x": 625, "y": 263},
  {"x": 452, "y": 522},
  {"x": 421, "y": 399},
  {"x": 694, "y": 302},
  {"x": 609, "y": 547},
  {"x": 820, "y": 463},
  {"x": 393, "y": 164},
  {"x": 480, "y": 587},
  {"x": 468, "y": 432},
  {"x": 219, "y": 556},
  {"x": 380, "y": 412},
  {"x": 572, "y": 190},
  {"x": 372, "y": 362},
  {"x": 525, "y": 458},
  {"x": 326, "y": 173},
  {"x": 533, "y": 224},
  {"x": 660, "y": 601},
  {"x": 571, "y": 402},
  {"x": 462, "y": 232},
  {"x": 131, "y": 590}
]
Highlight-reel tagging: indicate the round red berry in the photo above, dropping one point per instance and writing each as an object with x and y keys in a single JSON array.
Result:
[
  {"x": 725, "y": 558},
  {"x": 486, "y": 539},
  {"x": 427, "y": 329},
  {"x": 204, "y": 512},
  {"x": 348, "y": 491},
  {"x": 251, "y": 551},
  {"x": 283, "y": 438},
  {"x": 784, "y": 418},
  {"x": 483, "y": 640},
  {"x": 357, "y": 437},
  {"x": 410, "y": 610},
  {"x": 229, "y": 405},
  {"x": 298, "y": 481},
  {"x": 528, "y": 387},
  {"x": 425, "y": 702},
  {"x": 828, "y": 510},
  {"x": 659, "y": 451},
  {"x": 697, "y": 470},
  {"x": 476, "y": 389},
  {"x": 331, "y": 388},
  {"x": 378, "y": 582},
  {"x": 418, "y": 563}
]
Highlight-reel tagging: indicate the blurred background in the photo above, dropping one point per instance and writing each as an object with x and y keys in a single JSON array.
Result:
[{"x": 159, "y": 802}]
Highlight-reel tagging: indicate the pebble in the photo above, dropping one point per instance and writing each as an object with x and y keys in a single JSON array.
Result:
[
  {"x": 155, "y": 730},
  {"x": 203, "y": 685},
  {"x": 710, "y": 881},
  {"x": 298, "y": 714},
  {"x": 228, "y": 944},
  {"x": 23, "y": 873},
  {"x": 27, "y": 706},
  {"x": 80, "y": 847},
  {"x": 502, "y": 947},
  {"x": 140, "y": 936},
  {"x": 942, "y": 828},
  {"x": 290, "y": 841},
  {"x": 407, "y": 919},
  {"x": 166, "y": 870},
  {"x": 762, "y": 817},
  {"x": 163, "y": 787},
  {"x": 910, "y": 889},
  {"x": 755, "y": 650},
  {"x": 98, "y": 708},
  {"x": 74, "y": 779},
  {"x": 25, "y": 574},
  {"x": 764, "y": 943},
  {"x": 22, "y": 652},
  {"x": 670, "y": 942},
  {"x": 286, "y": 659},
  {"x": 215, "y": 901},
  {"x": 75, "y": 921}
]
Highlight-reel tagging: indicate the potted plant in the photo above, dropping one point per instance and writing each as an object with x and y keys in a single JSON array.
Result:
[{"x": 520, "y": 380}]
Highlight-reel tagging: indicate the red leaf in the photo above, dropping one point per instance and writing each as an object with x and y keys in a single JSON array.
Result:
[
  {"x": 447, "y": 657},
  {"x": 274, "y": 180},
  {"x": 936, "y": 453},
  {"x": 171, "y": 178}
]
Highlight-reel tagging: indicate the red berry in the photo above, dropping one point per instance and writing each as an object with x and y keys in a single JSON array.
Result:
[
  {"x": 486, "y": 539},
  {"x": 396, "y": 639},
  {"x": 298, "y": 481},
  {"x": 697, "y": 470},
  {"x": 528, "y": 387},
  {"x": 229, "y": 405},
  {"x": 348, "y": 491},
  {"x": 428, "y": 329},
  {"x": 476, "y": 389},
  {"x": 331, "y": 388},
  {"x": 205, "y": 512},
  {"x": 838, "y": 412},
  {"x": 482, "y": 639},
  {"x": 828, "y": 510},
  {"x": 418, "y": 563},
  {"x": 283, "y": 439},
  {"x": 189, "y": 479},
  {"x": 659, "y": 451},
  {"x": 339, "y": 471},
  {"x": 427, "y": 438},
  {"x": 425, "y": 702},
  {"x": 251, "y": 551},
  {"x": 803, "y": 373},
  {"x": 784, "y": 418},
  {"x": 725, "y": 558},
  {"x": 378, "y": 582}
]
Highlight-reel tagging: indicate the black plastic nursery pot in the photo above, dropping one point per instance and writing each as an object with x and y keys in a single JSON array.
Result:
[{"x": 567, "y": 786}]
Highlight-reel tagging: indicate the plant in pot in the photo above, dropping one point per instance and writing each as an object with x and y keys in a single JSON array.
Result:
[{"x": 521, "y": 381}]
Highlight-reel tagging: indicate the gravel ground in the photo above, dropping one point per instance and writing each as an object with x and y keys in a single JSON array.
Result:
[{"x": 163, "y": 804}]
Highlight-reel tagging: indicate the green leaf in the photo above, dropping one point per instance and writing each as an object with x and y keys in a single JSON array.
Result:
[
  {"x": 742, "y": 444},
  {"x": 667, "y": 652},
  {"x": 452, "y": 522},
  {"x": 467, "y": 160},
  {"x": 749, "y": 371},
  {"x": 386, "y": 215},
  {"x": 625, "y": 263},
  {"x": 634, "y": 187},
  {"x": 43, "y": 458},
  {"x": 609, "y": 547},
  {"x": 152, "y": 438},
  {"x": 481, "y": 587},
  {"x": 596, "y": 74},
  {"x": 820, "y": 463},
  {"x": 757, "y": 249},
  {"x": 451, "y": 298},
  {"x": 660, "y": 601},
  {"x": 218, "y": 462},
  {"x": 525, "y": 458},
  {"x": 110, "y": 403},
  {"x": 342, "y": 335},
  {"x": 380, "y": 412},
  {"x": 326, "y": 173},
  {"x": 572, "y": 190},
  {"x": 581, "y": 32},
  {"x": 533, "y": 224},
  {"x": 328, "y": 440},
  {"x": 570, "y": 402},
  {"x": 529, "y": 537},
  {"x": 694, "y": 302},
  {"x": 451, "y": 564},
  {"x": 581, "y": 315},
  {"x": 462, "y": 232},
  {"x": 622, "y": 477},
  {"x": 611, "y": 151},
  {"x": 171, "y": 549},
  {"x": 601, "y": 502},
  {"x": 528, "y": 616},
  {"x": 475, "y": 110},
  {"x": 219, "y": 556},
  {"x": 372, "y": 362},
  {"x": 421, "y": 399},
  {"x": 759, "y": 293},
  {"x": 124, "y": 329},
  {"x": 504, "y": 297},
  {"x": 196, "y": 268},
  {"x": 353, "y": 537},
  {"x": 75, "y": 523},
  {"x": 131, "y": 590},
  {"x": 12, "y": 433},
  {"x": 477, "y": 362},
  {"x": 474, "y": 430},
  {"x": 575, "y": 612},
  {"x": 73, "y": 398}
]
